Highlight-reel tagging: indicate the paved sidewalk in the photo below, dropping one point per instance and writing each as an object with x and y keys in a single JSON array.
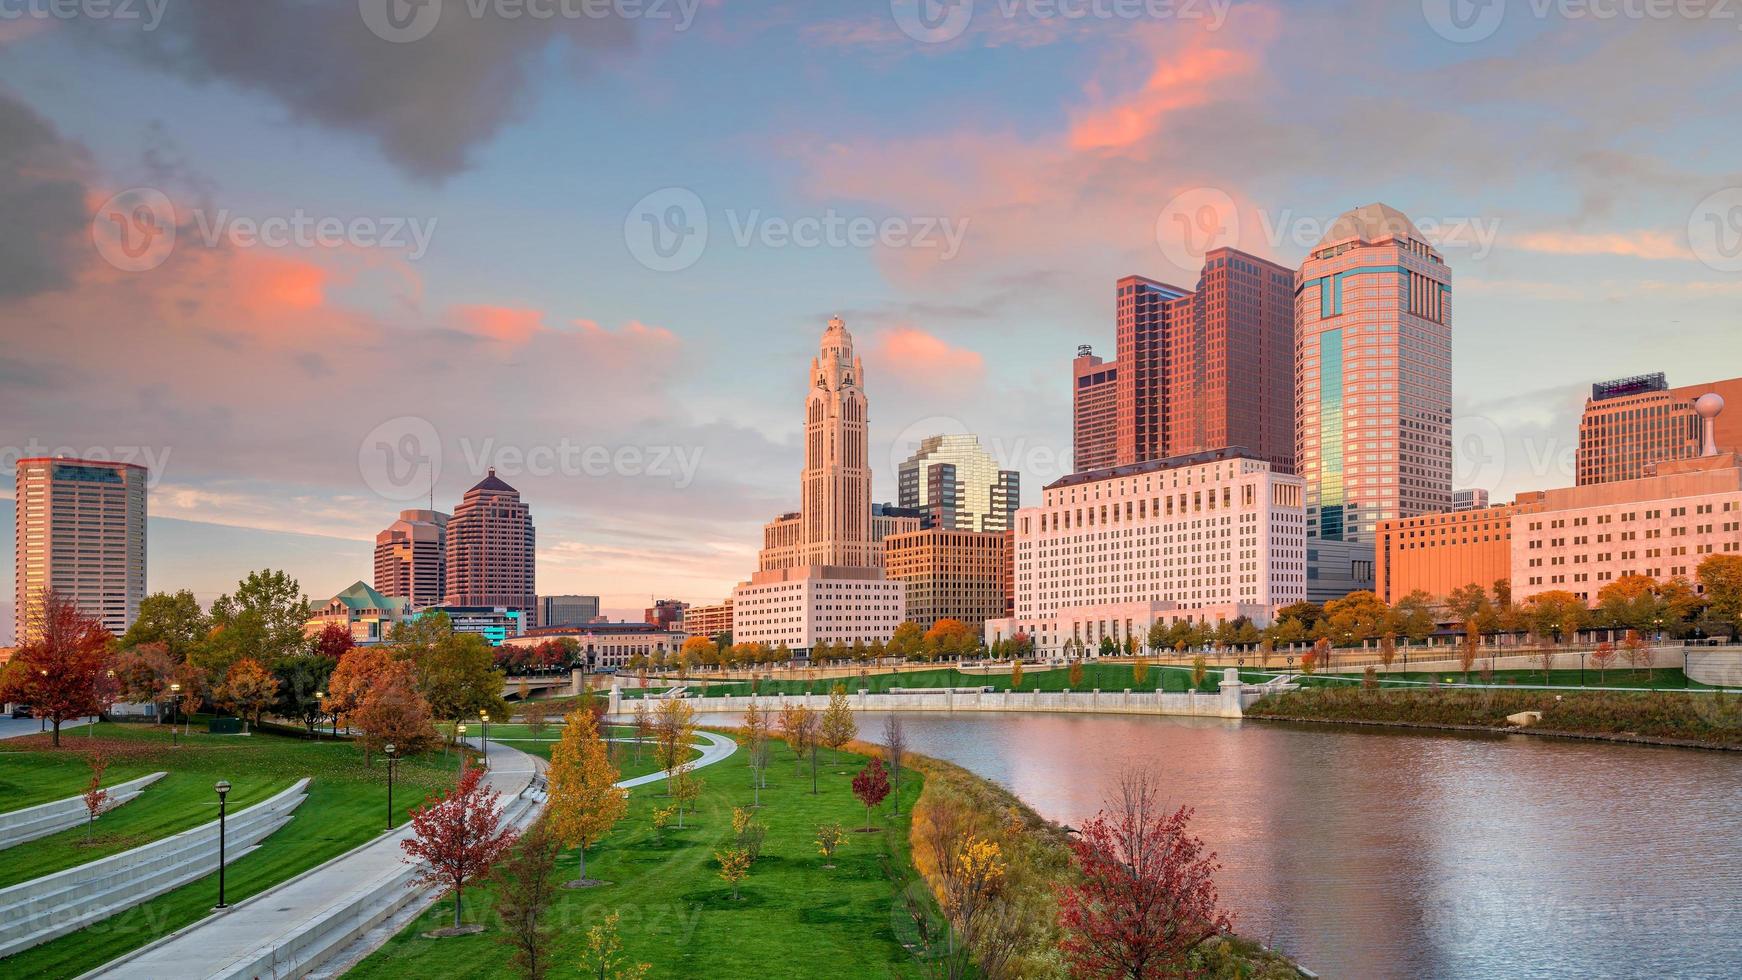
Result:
[
  {"x": 20, "y": 727},
  {"x": 225, "y": 942}
]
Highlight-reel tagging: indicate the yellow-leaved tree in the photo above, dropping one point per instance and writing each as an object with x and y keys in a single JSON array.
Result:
[{"x": 585, "y": 801}]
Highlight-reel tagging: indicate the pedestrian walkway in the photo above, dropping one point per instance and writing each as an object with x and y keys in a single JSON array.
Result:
[
  {"x": 20, "y": 727},
  {"x": 321, "y": 914}
]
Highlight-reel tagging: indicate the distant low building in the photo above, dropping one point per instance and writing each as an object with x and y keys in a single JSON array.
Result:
[
  {"x": 567, "y": 610},
  {"x": 368, "y": 614},
  {"x": 803, "y": 606},
  {"x": 1472, "y": 499},
  {"x": 607, "y": 646},
  {"x": 709, "y": 621},
  {"x": 665, "y": 613},
  {"x": 497, "y": 624}
]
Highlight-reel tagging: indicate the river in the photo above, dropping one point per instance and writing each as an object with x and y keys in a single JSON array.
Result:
[{"x": 1383, "y": 853}]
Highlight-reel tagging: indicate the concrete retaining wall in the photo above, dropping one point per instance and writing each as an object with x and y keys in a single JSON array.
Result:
[
  {"x": 1230, "y": 702},
  {"x": 41, "y": 909},
  {"x": 1719, "y": 668},
  {"x": 30, "y": 823}
]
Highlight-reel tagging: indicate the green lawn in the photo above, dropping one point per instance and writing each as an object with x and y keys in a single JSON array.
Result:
[
  {"x": 1106, "y": 677},
  {"x": 794, "y": 918},
  {"x": 346, "y": 806},
  {"x": 629, "y": 762},
  {"x": 1663, "y": 678}
]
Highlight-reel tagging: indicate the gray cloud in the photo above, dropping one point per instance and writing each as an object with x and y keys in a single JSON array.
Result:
[
  {"x": 42, "y": 207},
  {"x": 426, "y": 104}
]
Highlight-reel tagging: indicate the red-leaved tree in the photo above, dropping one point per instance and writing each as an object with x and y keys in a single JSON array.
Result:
[
  {"x": 64, "y": 672},
  {"x": 1148, "y": 894},
  {"x": 456, "y": 836},
  {"x": 871, "y": 786},
  {"x": 96, "y": 797},
  {"x": 332, "y": 641}
]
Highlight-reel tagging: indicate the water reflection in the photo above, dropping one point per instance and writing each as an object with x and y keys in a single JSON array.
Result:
[{"x": 1379, "y": 854}]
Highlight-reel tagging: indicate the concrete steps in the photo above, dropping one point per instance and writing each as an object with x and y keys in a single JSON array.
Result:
[
  {"x": 28, "y": 824},
  {"x": 45, "y": 908}
]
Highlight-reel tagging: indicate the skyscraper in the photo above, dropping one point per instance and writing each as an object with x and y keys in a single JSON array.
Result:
[
  {"x": 1144, "y": 316},
  {"x": 79, "y": 532},
  {"x": 1631, "y": 424},
  {"x": 836, "y": 526},
  {"x": 411, "y": 560},
  {"x": 491, "y": 552},
  {"x": 1373, "y": 389},
  {"x": 1094, "y": 411},
  {"x": 959, "y": 485}
]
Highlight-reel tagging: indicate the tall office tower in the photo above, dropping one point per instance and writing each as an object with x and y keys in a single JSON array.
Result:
[
  {"x": 411, "y": 558},
  {"x": 1632, "y": 424},
  {"x": 1094, "y": 411},
  {"x": 1373, "y": 389},
  {"x": 959, "y": 485},
  {"x": 1230, "y": 362},
  {"x": 567, "y": 610},
  {"x": 491, "y": 552},
  {"x": 1144, "y": 314},
  {"x": 836, "y": 506},
  {"x": 80, "y": 532}
]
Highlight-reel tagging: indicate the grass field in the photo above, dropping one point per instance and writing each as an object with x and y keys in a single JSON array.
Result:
[
  {"x": 346, "y": 806},
  {"x": 1106, "y": 677},
  {"x": 794, "y": 917},
  {"x": 629, "y": 762}
]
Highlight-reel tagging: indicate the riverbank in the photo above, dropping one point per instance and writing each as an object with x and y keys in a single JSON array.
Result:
[{"x": 1709, "y": 721}]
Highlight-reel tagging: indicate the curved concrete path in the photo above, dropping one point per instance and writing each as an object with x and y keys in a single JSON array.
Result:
[
  {"x": 331, "y": 916},
  {"x": 18, "y": 826}
]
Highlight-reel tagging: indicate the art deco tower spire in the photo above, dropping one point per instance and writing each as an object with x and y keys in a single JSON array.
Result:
[{"x": 837, "y": 470}]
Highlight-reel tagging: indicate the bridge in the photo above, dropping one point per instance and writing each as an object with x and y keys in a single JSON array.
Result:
[{"x": 569, "y": 683}]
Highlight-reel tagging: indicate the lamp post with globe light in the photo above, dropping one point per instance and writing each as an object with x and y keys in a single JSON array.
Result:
[{"x": 223, "y": 788}]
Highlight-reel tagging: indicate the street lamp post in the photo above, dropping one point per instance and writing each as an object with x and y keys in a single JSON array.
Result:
[
  {"x": 175, "y": 703},
  {"x": 484, "y": 720},
  {"x": 223, "y": 789},
  {"x": 319, "y": 697},
  {"x": 388, "y": 749}
]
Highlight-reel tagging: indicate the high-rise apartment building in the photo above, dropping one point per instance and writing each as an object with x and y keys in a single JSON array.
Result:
[
  {"x": 1195, "y": 371},
  {"x": 79, "y": 532},
  {"x": 567, "y": 610},
  {"x": 491, "y": 551},
  {"x": 959, "y": 485},
  {"x": 1210, "y": 537},
  {"x": 411, "y": 558},
  {"x": 951, "y": 574},
  {"x": 709, "y": 621},
  {"x": 1373, "y": 389},
  {"x": 1094, "y": 411},
  {"x": 1632, "y": 424}
]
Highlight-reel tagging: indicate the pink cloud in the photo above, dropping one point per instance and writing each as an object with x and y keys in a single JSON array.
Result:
[
  {"x": 1638, "y": 244},
  {"x": 911, "y": 356}
]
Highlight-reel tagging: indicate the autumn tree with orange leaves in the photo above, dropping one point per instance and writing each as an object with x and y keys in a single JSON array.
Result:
[{"x": 65, "y": 671}]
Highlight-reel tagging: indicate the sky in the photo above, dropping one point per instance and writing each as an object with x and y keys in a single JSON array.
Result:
[{"x": 312, "y": 260}]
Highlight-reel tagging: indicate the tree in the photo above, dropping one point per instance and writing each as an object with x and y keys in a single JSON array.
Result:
[
  {"x": 95, "y": 796},
  {"x": 1721, "y": 575},
  {"x": 1638, "y": 653},
  {"x": 174, "y": 622},
  {"x": 526, "y": 885},
  {"x": 798, "y": 726},
  {"x": 685, "y": 788},
  {"x": 1602, "y": 658},
  {"x": 1107, "y": 649},
  {"x": 895, "y": 750},
  {"x": 1156, "y": 638},
  {"x": 1139, "y": 671},
  {"x": 971, "y": 873},
  {"x": 300, "y": 677},
  {"x": 332, "y": 642},
  {"x": 1076, "y": 673},
  {"x": 1355, "y": 617},
  {"x": 734, "y": 867},
  {"x": 457, "y": 675},
  {"x": 264, "y": 619},
  {"x": 1545, "y": 658},
  {"x": 248, "y": 689},
  {"x": 830, "y": 837},
  {"x": 871, "y": 786},
  {"x": 1147, "y": 895},
  {"x": 64, "y": 672},
  {"x": 660, "y": 817},
  {"x": 674, "y": 730},
  {"x": 1414, "y": 615},
  {"x": 195, "y": 684},
  {"x": 950, "y": 638},
  {"x": 393, "y": 713},
  {"x": 585, "y": 801},
  {"x": 1555, "y": 613},
  {"x": 747, "y": 832},
  {"x": 455, "y": 838},
  {"x": 838, "y": 726},
  {"x": 1015, "y": 675},
  {"x": 1199, "y": 670},
  {"x": 1468, "y": 603},
  {"x": 143, "y": 674},
  {"x": 643, "y": 723},
  {"x": 536, "y": 717},
  {"x": 756, "y": 741},
  {"x": 604, "y": 959}
]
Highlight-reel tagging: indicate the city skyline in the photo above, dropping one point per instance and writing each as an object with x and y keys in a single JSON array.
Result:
[{"x": 1137, "y": 125}]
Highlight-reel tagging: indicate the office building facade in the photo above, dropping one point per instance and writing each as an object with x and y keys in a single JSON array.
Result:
[
  {"x": 491, "y": 551},
  {"x": 79, "y": 532},
  {"x": 961, "y": 575},
  {"x": 567, "y": 610},
  {"x": 712, "y": 620},
  {"x": 1094, "y": 411},
  {"x": 1629, "y": 425},
  {"x": 411, "y": 557},
  {"x": 958, "y": 485},
  {"x": 1439, "y": 553}
]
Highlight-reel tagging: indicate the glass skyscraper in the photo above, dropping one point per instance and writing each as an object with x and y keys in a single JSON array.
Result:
[{"x": 959, "y": 485}]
